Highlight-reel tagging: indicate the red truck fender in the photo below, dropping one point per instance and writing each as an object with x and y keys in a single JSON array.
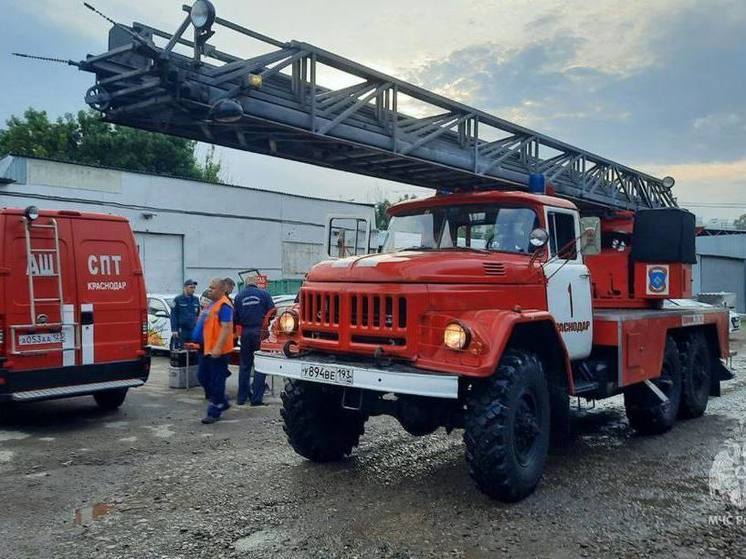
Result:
[{"x": 534, "y": 330}]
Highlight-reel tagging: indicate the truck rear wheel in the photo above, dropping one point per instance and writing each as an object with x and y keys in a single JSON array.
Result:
[
  {"x": 110, "y": 399},
  {"x": 646, "y": 412},
  {"x": 316, "y": 424},
  {"x": 507, "y": 428},
  {"x": 695, "y": 375}
]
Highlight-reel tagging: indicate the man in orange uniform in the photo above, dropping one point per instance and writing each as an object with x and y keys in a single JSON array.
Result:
[{"x": 214, "y": 330}]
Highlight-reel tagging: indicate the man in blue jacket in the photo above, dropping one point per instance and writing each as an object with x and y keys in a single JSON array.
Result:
[
  {"x": 251, "y": 304},
  {"x": 184, "y": 314}
]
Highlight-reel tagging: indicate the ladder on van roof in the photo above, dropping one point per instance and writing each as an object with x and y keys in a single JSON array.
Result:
[{"x": 32, "y": 264}]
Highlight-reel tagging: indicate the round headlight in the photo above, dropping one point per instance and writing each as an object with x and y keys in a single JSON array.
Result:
[
  {"x": 455, "y": 336},
  {"x": 288, "y": 322},
  {"x": 202, "y": 14}
]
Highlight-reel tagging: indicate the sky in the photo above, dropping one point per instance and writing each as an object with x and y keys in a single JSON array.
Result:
[{"x": 658, "y": 86}]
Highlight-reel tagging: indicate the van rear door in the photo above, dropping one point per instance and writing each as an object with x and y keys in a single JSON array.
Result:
[
  {"x": 42, "y": 334},
  {"x": 111, "y": 292}
]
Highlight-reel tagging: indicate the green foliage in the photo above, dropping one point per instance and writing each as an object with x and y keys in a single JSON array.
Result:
[
  {"x": 87, "y": 139},
  {"x": 382, "y": 218}
]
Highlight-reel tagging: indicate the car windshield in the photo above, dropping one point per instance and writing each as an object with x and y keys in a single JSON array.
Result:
[{"x": 484, "y": 227}]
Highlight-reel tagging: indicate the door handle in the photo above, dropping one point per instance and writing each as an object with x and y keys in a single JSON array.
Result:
[{"x": 584, "y": 276}]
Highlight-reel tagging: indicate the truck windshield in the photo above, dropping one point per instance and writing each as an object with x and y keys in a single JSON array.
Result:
[{"x": 491, "y": 227}]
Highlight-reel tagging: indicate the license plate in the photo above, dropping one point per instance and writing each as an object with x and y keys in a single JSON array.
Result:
[
  {"x": 40, "y": 339},
  {"x": 328, "y": 373}
]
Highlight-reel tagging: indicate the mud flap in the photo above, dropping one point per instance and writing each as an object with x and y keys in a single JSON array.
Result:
[
  {"x": 720, "y": 373},
  {"x": 559, "y": 402}
]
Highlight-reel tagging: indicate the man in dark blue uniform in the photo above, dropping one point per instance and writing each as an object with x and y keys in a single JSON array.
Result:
[
  {"x": 184, "y": 315},
  {"x": 251, "y": 304}
]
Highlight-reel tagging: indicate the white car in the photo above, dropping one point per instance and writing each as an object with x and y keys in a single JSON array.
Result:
[
  {"x": 283, "y": 302},
  {"x": 159, "y": 321},
  {"x": 735, "y": 319}
]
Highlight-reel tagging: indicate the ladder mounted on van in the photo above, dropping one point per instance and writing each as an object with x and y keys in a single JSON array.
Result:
[
  {"x": 43, "y": 262},
  {"x": 41, "y": 266}
]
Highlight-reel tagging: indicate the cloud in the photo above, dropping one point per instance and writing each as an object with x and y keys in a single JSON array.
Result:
[
  {"x": 683, "y": 102},
  {"x": 712, "y": 172}
]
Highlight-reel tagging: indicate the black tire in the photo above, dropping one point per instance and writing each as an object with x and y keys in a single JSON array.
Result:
[
  {"x": 647, "y": 414},
  {"x": 110, "y": 399},
  {"x": 317, "y": 426},
  {"x": 696, "y": 373},
  {"x": 507, "y": 428}
]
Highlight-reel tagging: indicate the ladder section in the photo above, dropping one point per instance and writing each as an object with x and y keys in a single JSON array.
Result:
[
  {"x": 279, "y": 103},
  {"x": 38, "y": 268}
]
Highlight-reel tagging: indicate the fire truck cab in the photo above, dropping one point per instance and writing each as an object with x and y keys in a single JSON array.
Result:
[
  {"x": 73, "y": 316},
  {"x": 487, "y": 311}
]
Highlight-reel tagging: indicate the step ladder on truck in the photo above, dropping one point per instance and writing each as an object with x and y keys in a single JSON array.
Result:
[{"x": 535, "y": 274}]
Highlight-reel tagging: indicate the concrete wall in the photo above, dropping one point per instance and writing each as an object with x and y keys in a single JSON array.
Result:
[{"x": 225, "y": 228}]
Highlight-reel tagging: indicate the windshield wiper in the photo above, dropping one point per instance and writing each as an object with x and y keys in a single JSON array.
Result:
[{"x": 415, "y": 248}]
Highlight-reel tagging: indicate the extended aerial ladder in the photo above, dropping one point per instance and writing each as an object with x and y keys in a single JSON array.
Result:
[{"x": 273, "y": 103}]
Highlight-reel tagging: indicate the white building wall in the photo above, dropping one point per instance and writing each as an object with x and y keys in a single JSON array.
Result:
[{"x": 225, "y": 228}]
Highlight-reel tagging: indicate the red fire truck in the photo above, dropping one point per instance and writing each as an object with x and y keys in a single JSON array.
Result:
[
  {"x": 490, "y": 304},
  {"x": 487, "y": 311},
  {"x": 73, "y": 316}
]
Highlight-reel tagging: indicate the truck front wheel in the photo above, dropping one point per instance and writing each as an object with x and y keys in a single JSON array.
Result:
[
  {"x": 646, "y": 412},
  {"x": 110, "y": 399},
  {"x": 316, "y": 424},
  {"x": 695, "y": 376},
  {"x": 507, "y": 428}
]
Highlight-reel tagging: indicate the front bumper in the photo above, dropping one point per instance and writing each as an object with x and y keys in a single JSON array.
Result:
[{"x": 358, "y": 374}]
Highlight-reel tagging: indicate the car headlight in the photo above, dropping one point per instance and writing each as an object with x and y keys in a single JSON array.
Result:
[
  {"x": 456, "y": 336},
  {"x": 288, "y": 322}
]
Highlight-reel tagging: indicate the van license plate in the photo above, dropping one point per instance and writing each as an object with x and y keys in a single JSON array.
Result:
[
  {"x": 330, "y": 374},
  {"x": 40, "y": 339}
]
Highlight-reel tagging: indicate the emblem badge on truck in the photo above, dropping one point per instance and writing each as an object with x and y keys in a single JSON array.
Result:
[{"x": 657, "y": 280}]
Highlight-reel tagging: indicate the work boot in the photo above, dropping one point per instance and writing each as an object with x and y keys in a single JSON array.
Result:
[{"x": 208, "y": 420}]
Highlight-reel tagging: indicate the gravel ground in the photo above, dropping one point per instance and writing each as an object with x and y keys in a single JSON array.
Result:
[{"x": 150, "y": 481}]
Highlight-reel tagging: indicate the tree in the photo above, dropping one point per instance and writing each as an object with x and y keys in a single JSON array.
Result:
[
  {"x": 87, "y": 139},
  {"x": 382, "y": 218},
  {"x": 740, "y": 223}
]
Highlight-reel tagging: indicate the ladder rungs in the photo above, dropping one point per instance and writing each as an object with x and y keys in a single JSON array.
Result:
[
  {"x": 48, "y": 300},
  {"x": 46, "y": 276},
  {"x": 42, "y": 226},
  {"x": 44, "y": 250}
]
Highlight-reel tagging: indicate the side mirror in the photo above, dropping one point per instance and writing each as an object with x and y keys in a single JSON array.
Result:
[
  {"x": 538, "y": 238},
  {"x": 590, "y": 235},
  {"x": 382, "y": 237}
]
